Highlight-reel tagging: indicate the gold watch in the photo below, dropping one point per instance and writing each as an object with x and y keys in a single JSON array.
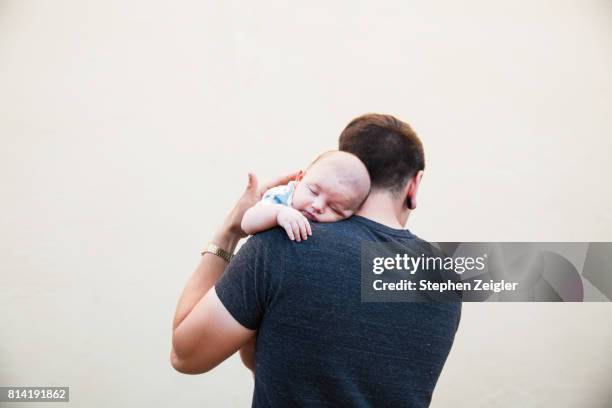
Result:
[{"x": 216, "y": 250}]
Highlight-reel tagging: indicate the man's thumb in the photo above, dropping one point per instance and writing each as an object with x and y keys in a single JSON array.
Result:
[{"x": 252, "y": 184}]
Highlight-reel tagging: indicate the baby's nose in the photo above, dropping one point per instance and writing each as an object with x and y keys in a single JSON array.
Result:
[{"x": 317, "y": 206}]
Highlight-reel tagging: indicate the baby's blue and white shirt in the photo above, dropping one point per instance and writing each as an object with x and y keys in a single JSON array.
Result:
[{"x": 279, "y": 195}]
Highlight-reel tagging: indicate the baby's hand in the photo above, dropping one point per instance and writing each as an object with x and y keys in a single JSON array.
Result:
[{"x": 294, "y": 223}]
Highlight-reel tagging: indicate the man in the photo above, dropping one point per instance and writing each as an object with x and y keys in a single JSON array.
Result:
[{"x": 318, "y": 344}]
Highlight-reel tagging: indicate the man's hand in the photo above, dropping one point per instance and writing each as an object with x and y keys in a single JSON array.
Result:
[
  {"x": 250, "y": 197},
  {"x": 294, "y": 223}
]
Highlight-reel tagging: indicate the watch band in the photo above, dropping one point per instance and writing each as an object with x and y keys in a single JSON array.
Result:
[{"x": 216, "y": 250}]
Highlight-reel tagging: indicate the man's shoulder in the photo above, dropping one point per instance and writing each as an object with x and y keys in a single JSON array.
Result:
[
  {"x": 356, "y": 226},
  {"x": 273, "y": 237},
  {"x": 427, "y": 247},
  {"x": 277, "y": 237},
  {"x": 324, "y": 236},
  {"x": 262, "y": 246},
  {"x": 345, "y": 232}
]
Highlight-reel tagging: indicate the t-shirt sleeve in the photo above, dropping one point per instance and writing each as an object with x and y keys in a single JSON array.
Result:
[
  {"x": 247, "y": 285},
  {"x": 278, "y": 195}
]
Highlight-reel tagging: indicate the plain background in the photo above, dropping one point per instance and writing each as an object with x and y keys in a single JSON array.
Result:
[{"x": 128, "y": 128}]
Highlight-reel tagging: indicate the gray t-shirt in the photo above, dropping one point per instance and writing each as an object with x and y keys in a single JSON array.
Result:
[{"x": 318, "y": 344}]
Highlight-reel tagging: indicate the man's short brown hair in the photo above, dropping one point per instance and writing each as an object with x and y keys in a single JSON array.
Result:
[{"x": 390, "y": 149}]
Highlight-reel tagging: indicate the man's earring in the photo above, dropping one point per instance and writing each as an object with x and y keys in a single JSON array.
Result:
[{"x": 409, "y": 203}]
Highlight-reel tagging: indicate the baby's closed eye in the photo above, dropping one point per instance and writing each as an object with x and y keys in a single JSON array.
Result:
[{"x": 337, "y": 211}]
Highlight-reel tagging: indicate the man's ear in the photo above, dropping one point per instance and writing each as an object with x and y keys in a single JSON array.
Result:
[
  {"x": 412, "y": 189},
  {"x": 299, "y": 176}
]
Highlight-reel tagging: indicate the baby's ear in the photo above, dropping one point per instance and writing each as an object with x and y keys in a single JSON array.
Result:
[{"x": 299, "y": 176}]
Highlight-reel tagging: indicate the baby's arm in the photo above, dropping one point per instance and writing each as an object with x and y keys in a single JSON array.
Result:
[{"x": 261, "y": 217}]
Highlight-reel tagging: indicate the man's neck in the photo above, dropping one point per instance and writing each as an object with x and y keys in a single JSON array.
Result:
[{"x": 382, "y": 208}]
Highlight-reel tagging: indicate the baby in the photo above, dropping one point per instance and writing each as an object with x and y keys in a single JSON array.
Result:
[{"x": 331, "y": 189}]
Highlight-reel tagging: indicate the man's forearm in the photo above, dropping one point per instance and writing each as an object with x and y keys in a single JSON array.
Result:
[
  {"x": 211, "y": 267},
  {"x": 207, "y": 273}
]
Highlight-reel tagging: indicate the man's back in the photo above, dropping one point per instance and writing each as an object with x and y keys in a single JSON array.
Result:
[{"x": 318, "y": 344}]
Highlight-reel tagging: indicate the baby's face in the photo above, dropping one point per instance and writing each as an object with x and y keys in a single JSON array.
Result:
[{"x": 323, "y": 195}]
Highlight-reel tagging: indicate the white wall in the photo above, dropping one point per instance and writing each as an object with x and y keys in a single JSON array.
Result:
[{"x": 127, "y": 129}]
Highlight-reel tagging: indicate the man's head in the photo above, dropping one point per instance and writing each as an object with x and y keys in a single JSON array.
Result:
[
  {"x": 333, "y": 187},
  {"x": 391, "y": 151}
]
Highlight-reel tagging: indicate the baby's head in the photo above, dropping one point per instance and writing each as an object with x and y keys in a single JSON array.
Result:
[{"x": 333, "y": 187}]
